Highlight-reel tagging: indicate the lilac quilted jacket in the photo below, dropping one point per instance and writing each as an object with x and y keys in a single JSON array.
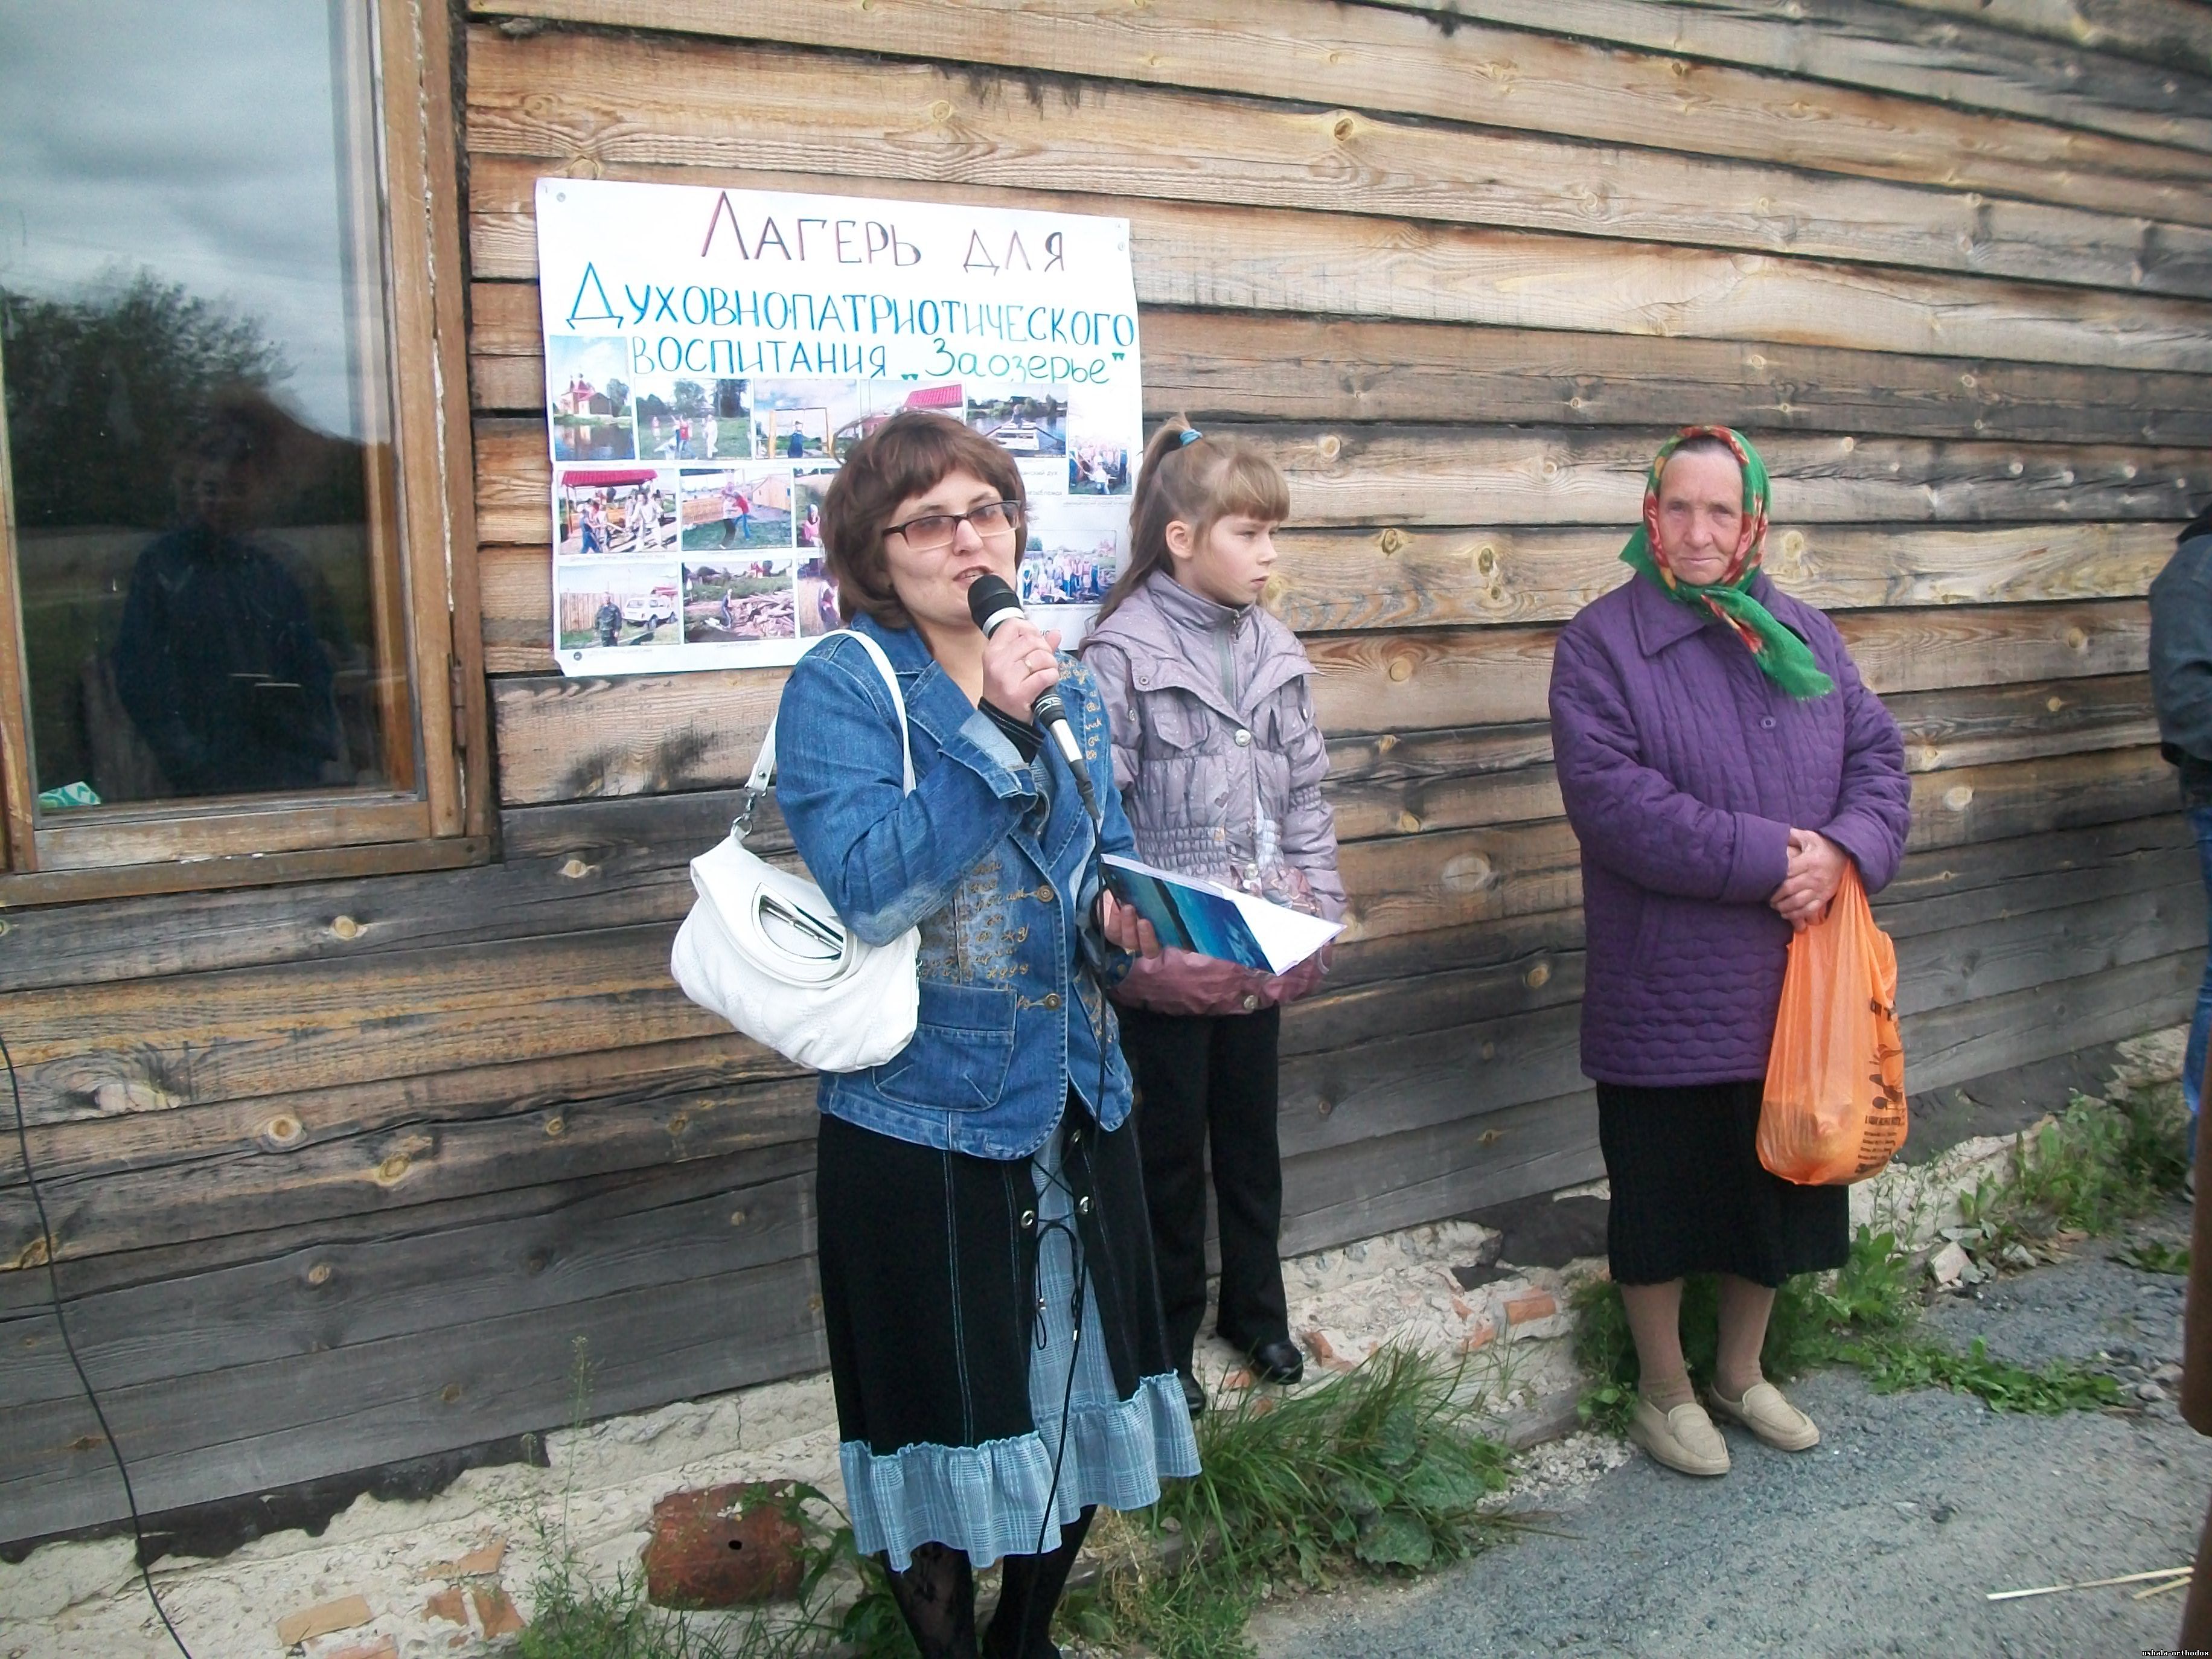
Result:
[
  {"x": 1684, "y": 769},
  {"x": 1219, "y": 762}
]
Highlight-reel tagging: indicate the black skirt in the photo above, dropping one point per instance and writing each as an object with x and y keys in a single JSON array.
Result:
[
  {"x": 1690, "y": 1195},
  {"x": 929, "y": 1273}
]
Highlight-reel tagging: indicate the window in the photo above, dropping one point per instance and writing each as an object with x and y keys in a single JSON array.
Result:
[{"x": 226, "y": 626}]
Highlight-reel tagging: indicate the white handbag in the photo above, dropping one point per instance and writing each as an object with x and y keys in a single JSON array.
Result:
[{"x": 765, "y": 950}]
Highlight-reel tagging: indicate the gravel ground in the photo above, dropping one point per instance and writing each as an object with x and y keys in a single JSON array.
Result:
[{"x": 1883, "y": 1541}]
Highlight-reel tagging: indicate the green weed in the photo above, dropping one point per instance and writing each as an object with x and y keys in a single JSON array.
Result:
[
  {"x": 2152, "y": 1256},
  {"x": 1379, "y": 1470},
  {"x": 2101, "y": 1162},
  {"x": 1892, "y": 1365}
]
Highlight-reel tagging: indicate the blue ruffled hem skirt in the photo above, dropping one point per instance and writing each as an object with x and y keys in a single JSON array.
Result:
[{"x": 999, "y": 1497}]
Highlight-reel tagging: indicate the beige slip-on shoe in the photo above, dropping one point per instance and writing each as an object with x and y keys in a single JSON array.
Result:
[
  {"x": 1768, "y": 1415},
  {"x": 1683, "y": 1438}
]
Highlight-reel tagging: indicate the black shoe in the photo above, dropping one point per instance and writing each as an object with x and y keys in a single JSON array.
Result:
[
  {"x": 1193, "y": 1395},
  {"x": 1278, "y": 1361}
]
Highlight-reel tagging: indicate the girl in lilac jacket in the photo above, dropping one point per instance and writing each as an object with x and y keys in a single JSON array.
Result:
[
  {"x": 1721, "y": 762},
  {"x": 1220, "y": 762}
]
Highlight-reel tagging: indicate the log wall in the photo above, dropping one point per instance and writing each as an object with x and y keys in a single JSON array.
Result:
[{"x": 340, "y": 1171}]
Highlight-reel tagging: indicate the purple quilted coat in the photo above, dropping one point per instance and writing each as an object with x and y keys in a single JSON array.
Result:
[{"x": 1684, "y": 769}]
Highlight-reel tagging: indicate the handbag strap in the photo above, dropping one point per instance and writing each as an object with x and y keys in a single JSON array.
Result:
[{"x": 763, "y": 773}]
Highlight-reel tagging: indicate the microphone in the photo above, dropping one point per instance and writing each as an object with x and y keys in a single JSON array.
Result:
[{"x": 992, "y": 603}]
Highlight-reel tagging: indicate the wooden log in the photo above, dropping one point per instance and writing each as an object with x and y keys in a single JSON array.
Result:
[
  {"x": 1386, "y": 681},
  {"x": 1956, "y": 58},
  {"x": 1341, "y": 264},
  {"x": 1376, "y": 1186},
  {"x": 1401, "y": 784},
  {"x": 1975, "y": 803},
  {"x": 1969, "y": 922},
  {"x": 1397, "y": 1081},
  {"x": 1988, "y": 960},
  {"x": 1944, "y": 887},
  {"x": 251, "y": 1032},
  {"x": 669, "y": 102},
  {"x": 1399, "y": 577},
  {"x": 571, "y": 739},
  {"x": 248, "y": 1033},
  {"x": 187, "y": 1175},
  {"x": 295, "y": 1296},
  {"x": 1368, "y": 59},
  {"x": 1232, "y": 366},
  {"x": 246, "y": 1428},
  {"x": 1415, "y": 476},
  {"x": 2166, "y": 33},
  {"x": 1974, "y": 1039}
]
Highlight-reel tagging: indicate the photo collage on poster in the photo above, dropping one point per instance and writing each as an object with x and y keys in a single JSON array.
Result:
[{"x": 688, "y": 510}]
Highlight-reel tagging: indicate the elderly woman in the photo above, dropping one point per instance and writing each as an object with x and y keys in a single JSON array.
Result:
[
  {"x": 1722, "y": 763},
  {"x": 992, "y": 1315}
]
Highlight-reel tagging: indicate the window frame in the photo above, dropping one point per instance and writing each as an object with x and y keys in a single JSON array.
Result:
[{"x": 444, "y": 820}]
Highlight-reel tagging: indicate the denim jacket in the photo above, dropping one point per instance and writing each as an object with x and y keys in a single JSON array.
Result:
[{"x": 991, "y": 857}]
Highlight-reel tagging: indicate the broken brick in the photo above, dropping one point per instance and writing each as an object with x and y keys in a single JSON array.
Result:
[
  {"x": 1526, "y": 1310},
  {"x": 447, "y": 1605},
  {"x": 723, "y": 1547},
  {"x": 342, "y": 1614},
  {"x": 497, "y": 1614}
]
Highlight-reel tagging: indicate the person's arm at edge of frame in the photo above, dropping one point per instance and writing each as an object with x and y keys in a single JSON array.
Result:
[{"x": 2181, "y": 650}]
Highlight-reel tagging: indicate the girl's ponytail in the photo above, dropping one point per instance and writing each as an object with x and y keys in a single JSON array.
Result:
[{"x": 1196, "y": 479}]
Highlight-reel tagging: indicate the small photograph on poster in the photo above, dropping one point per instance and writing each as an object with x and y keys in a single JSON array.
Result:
[
  {"x": 614, "y": 511},
  {"x": 795, "y": 420},
  {"x": 881, "y": 399},
  {"x": 807, "y": 490},
  {"x": 729, "y": 508},
  {"x": 1097, "y": 464},
  {"x": 685, "y": 418},
  {"x": 588, "y": 399},
  {"x": 738, "y": 600},
  {"x": 818, "y": 600},
  {"x": 1073, "y": 554},
  {"x": 609, "y": 604},
  {"x": 1022, "y": 420}
]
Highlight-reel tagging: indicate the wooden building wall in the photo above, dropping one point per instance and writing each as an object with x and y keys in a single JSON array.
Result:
[{"x": 340, "y": 1171}]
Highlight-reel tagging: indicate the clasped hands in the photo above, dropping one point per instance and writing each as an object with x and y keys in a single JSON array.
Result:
[{"x": 1815, "y": 871}]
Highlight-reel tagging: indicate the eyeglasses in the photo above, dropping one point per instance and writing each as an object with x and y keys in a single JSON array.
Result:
[{"x": 933, "y": 531}]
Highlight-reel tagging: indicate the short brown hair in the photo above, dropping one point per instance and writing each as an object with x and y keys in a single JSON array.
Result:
[{"x": 904, "y": 457}]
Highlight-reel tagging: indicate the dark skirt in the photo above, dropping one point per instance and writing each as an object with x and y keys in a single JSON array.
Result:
[
  {"x": 947, "y": 1300},
  {"x": 1690, "y": 1195}
]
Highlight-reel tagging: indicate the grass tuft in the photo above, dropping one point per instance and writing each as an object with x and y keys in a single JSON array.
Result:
[
  {"x": 1381, "y": 1470},
  {"x": 1892, "y": 1365}
]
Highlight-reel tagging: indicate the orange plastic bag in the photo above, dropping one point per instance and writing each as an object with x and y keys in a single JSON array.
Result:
[{"x": 1834, "y": 1112}]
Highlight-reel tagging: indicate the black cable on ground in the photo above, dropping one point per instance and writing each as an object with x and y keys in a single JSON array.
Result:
[{"x": 61, "y": 1321}]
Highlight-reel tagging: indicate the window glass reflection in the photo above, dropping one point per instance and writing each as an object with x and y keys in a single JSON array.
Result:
[{"x": 198, "y": 430}]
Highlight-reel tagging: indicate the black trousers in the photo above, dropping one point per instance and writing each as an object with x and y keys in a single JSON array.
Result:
[{"x": 1203, "y": 1077}]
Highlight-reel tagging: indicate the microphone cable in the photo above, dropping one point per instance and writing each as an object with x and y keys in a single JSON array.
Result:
[
  {"x": 92, "y": 1399},
  {"x": 1095, "y": 869}
]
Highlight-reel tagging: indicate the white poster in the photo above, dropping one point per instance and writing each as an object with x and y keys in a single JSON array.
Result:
[{"x": 712, "y": 355}]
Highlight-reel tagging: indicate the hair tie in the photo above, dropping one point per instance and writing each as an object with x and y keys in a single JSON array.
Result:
[{"x": 1189, "y": 435}]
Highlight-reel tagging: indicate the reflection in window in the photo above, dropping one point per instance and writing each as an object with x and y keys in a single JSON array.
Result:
[{"x": 192, "y": 329}]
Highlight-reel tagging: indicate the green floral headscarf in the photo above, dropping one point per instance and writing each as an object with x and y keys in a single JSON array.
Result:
[{"x": 1780, "y": 656}]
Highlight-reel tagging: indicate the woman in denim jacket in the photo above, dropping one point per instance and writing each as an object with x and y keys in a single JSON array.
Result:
[{"x": 981, "y": 1201}]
